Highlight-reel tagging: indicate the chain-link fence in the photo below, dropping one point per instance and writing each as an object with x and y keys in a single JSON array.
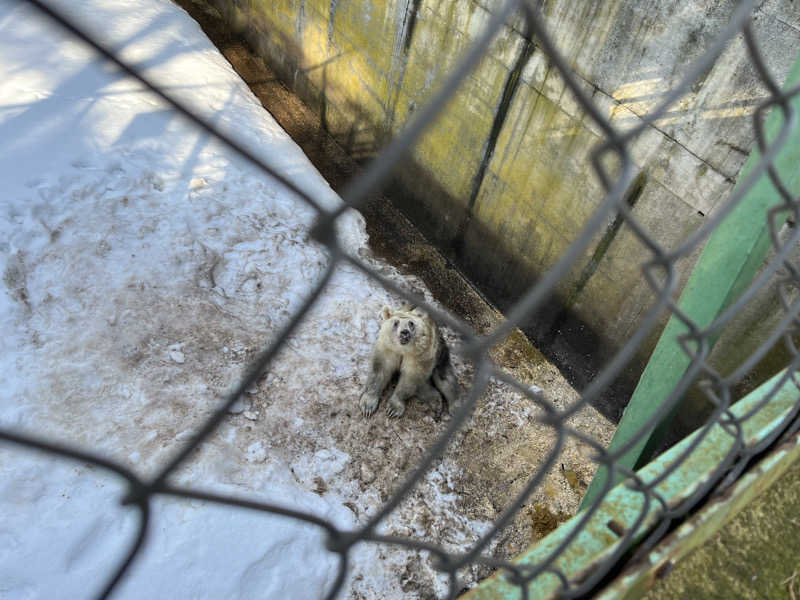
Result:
[{"x": 659, "y": 269}]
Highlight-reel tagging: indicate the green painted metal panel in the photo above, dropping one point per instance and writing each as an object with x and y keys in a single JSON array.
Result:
[
  {"x": 728, "y": 263},
  {"x": 622, "y": 506},
  {"x": 641, "y": 576}
]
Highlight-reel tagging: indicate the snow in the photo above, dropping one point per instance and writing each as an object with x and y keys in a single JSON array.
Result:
[{"x": 143, "y": 264}]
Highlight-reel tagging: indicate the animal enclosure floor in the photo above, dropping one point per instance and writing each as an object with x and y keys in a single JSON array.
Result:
[{"x": 503, "y": 430}]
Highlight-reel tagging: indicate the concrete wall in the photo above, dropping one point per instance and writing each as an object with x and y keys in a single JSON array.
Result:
[{"x": 502, "y": 182}]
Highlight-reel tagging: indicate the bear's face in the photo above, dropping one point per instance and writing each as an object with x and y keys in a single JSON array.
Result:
[{"x": 405, "y": 329}]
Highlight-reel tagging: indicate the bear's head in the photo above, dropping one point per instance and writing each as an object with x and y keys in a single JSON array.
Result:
[{"x": 406, "y": 327}]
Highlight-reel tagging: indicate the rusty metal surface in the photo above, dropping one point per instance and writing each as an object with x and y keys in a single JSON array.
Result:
[{"x": 625, "y": 511}]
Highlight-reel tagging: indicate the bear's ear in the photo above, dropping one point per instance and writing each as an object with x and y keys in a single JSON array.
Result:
[{"x": 386, "y": 312}]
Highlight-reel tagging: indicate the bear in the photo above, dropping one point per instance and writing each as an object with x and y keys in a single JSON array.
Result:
[{"x": 411, "y": 346}]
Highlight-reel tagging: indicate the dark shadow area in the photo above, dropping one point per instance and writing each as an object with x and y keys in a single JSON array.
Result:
[{"x": 567, "y": 341}]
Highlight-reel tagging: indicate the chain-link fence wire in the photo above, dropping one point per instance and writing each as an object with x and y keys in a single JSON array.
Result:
[{"x": 659, "y": 271}]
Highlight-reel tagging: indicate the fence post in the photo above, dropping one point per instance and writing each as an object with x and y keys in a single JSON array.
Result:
[{"x": 728, "y": 263}]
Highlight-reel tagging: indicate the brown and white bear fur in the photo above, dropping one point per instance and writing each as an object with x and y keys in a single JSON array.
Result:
[{"x": 411, "y": 345}]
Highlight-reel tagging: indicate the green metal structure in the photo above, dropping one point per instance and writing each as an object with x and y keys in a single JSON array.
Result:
[{"x": 620, "y": 508}]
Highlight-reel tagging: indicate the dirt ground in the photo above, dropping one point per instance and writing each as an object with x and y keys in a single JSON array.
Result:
[{"x": 503, "y": 444}]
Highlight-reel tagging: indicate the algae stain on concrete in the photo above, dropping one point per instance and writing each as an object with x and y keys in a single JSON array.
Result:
[
  {"x": 631, "y": 198},
  {"x": 407, "y": 15},
  {"x": 509, "y": 91},
  {"x": 332, "y": 20}
]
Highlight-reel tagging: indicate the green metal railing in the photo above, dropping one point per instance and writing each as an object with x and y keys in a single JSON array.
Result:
[{"x": 625, "y": 510}]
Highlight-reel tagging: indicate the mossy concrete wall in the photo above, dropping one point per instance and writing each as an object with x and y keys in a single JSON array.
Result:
[{"x": 502, "y": 182}]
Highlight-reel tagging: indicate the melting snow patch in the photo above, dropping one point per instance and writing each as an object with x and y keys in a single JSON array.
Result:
[{"x": 143, "y": 268}]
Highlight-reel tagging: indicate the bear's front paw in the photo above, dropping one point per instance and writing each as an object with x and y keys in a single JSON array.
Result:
[
  {"x": 396, "y": 408},
  {"x": 368, "y": 403}
]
